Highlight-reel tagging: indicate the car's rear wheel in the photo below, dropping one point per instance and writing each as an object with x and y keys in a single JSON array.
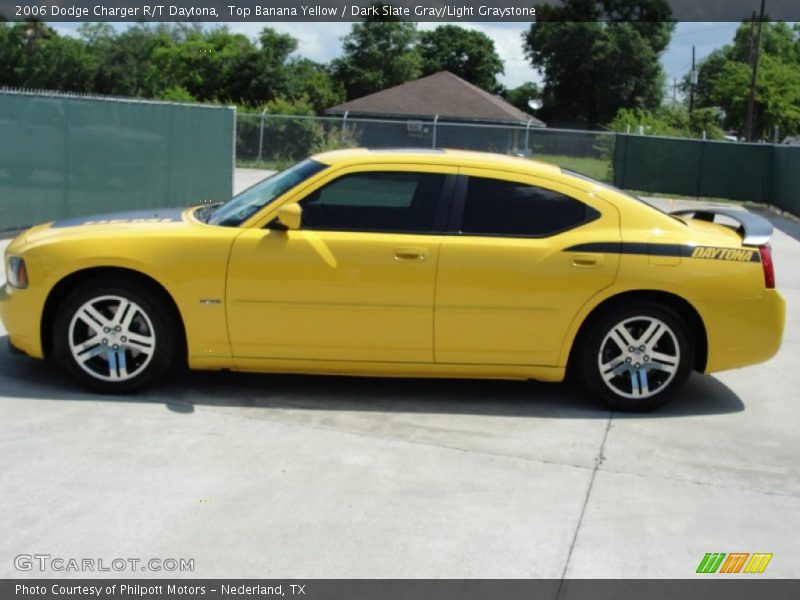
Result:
[
  {"x": 635, "y": 358},
  {"x": 114, "y": 338}
]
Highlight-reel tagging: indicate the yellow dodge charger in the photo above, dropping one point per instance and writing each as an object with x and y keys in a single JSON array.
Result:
[{"x": 420, "y": 263}]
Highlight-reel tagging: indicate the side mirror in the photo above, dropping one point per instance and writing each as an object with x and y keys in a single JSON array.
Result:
[{"x": 290, "y": 215}]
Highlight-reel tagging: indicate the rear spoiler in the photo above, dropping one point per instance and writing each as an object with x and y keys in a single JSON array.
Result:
[{"x": 754, "y": 230}]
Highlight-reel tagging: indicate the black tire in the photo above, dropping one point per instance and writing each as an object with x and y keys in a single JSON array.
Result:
[
  {"x": 664, "y": 377},
  {"x": 152, "y": 317}
]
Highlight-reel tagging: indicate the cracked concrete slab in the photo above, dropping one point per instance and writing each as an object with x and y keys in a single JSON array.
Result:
[
  {"x": 648, "y": 527},
  {"x": 248, "y": 496}
]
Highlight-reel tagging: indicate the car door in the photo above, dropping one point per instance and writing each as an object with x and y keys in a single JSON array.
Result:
[
  {"x": 508, "y": 285},
  {"x": 356, "y": 281}
]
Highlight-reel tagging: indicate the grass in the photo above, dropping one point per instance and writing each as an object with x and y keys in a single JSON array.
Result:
[
  {"x": 272, "y": 165},
  {"x": 597, "y": 168}
]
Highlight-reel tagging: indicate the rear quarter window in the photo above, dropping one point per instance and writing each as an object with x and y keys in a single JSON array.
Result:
[{"x": 505, "y": 208}]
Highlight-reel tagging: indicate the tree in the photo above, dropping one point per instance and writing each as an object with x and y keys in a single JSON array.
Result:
[
  {"x": 311, "y": 82},
  {"x": 724, "y": 80},
  {"x": 377, "y": 54},
  {"x": 210, "y": 65},
  {"x": 520, "y": 95},
  {"x": 123, "y": 61},
  {"x": 33, "y": 55},
  {"x": 469, "y": 54},
  {"x": 269, "y": 75},
  {"x": 12, "y": 54},
  {"x": 669, "y": 120},
  {"x": 595, "y": 60}
]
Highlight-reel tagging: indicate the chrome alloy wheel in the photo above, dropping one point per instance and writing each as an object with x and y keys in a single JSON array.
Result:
[
  {"x": 111, "y": 338},
  {"x": 639, "y": 357}
]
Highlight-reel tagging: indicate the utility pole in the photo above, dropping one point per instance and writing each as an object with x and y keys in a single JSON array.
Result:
[
  {"x": 692, "y": 83},
  {"x": 674, "y": 90},
  {"x": 751, "y": 102}
]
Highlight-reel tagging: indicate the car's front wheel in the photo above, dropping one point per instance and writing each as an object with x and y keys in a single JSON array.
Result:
[
  {"x": 635, "y": 358},
  {"x": 116, "y": 337}
]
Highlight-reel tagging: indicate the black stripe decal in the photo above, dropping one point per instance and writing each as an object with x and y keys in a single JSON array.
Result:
[
  {"x": 161, "y": 215},
  {"x": 680, "y": 250}
]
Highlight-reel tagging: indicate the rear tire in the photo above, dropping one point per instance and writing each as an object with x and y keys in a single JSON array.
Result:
[
  {"x": 635, "y": 358},
  {"x": 114, "y": 336}
]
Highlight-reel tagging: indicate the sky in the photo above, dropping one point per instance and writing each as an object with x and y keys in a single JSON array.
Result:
[{"x": 322, "y": 42}]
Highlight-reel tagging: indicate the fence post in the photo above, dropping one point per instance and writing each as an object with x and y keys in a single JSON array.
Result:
[
  {"x": 344, "y": 125},
  {"x": 234, "y": 148},
  {"x": 261, "y": 134},
  {"x": 620, "y": 160},
  {"x": 699, "y": 183},
  {"x": 435, "y": 121},
  {"x": 527, "y": 137}
]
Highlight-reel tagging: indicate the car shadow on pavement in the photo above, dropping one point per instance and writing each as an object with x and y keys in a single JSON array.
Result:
[{"x": 23, "y": 377}]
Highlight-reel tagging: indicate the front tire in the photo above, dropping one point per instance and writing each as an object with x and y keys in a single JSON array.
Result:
[
  {"x": 114, "y": 337},
  {"x": 635, "y": 358}
]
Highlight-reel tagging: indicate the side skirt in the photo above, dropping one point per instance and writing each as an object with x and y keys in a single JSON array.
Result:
[{"x": 380, "y": 369}]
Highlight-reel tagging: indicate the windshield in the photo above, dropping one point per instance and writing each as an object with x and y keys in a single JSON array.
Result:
[{"x": 253, "y": 199}]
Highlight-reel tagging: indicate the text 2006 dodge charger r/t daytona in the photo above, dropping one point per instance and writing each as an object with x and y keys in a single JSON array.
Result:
[{"x": 403, "y": 263}]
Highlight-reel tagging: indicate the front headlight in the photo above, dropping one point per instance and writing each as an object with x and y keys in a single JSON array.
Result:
[{"x": 16, "y": 272}]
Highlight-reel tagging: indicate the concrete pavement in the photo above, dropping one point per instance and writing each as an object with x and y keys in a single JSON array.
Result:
[{"x": 284, "y": 476}]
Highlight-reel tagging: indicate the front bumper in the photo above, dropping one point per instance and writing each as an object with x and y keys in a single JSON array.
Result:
[
  {"x": 21, "y": 320},
  {"x": 12, "y": 349}
]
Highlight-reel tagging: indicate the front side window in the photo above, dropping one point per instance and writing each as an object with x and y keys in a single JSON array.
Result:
[
  {"x": 506, "y": 208},
  {"x": 376, "y": 201}
]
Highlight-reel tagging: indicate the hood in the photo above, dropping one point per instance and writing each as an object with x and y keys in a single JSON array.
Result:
[{"x": 138, "y": 222}]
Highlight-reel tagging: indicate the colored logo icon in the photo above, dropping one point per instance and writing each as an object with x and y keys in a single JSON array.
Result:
[{"x": 734, "y": 562}]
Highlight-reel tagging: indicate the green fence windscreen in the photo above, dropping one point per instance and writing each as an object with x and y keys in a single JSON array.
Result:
[
  {"x": 66, "y": 156},
  {"x": 752, "y": 172},
  {"x": 786, "y": 178}
]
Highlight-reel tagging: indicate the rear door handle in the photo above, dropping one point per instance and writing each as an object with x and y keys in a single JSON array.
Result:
[
  {"x": 413, "y": 254},
  {"x": 587, "y": 260}
]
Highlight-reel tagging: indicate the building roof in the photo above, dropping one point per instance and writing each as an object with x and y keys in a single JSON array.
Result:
[{"x": 442, "y": 94}]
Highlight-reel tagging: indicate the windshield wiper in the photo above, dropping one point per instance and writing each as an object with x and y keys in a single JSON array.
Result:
[{"x": 207, "y": 210}]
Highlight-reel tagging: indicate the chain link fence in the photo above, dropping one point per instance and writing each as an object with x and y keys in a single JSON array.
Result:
[
  {"x": 274, "y": 141},
  {"x": 762, "y": 173}
]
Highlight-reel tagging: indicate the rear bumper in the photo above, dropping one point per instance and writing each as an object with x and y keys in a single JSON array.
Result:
[{"x": 746, "y": 332}]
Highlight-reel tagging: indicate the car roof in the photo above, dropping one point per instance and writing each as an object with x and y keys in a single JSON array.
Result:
[{"x": 464, "y": 158}]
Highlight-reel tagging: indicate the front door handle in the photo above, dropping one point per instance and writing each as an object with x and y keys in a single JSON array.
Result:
[
  {"x": 587, "y": 260},
  {"x": 412, "y": 254}
]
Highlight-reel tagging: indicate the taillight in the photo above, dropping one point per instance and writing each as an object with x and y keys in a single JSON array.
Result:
[{"x": 766, "y": 262}]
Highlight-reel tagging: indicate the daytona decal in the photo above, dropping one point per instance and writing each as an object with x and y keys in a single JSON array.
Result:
[{"x": 736, "y": 254}]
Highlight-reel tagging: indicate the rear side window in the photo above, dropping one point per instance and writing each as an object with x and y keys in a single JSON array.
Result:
[
  {"x": 506, "y": 208},
  {"x": 384, "y": 201}
]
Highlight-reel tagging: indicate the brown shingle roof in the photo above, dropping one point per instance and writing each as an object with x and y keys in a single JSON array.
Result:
[{"x": 442, "y": 94}]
